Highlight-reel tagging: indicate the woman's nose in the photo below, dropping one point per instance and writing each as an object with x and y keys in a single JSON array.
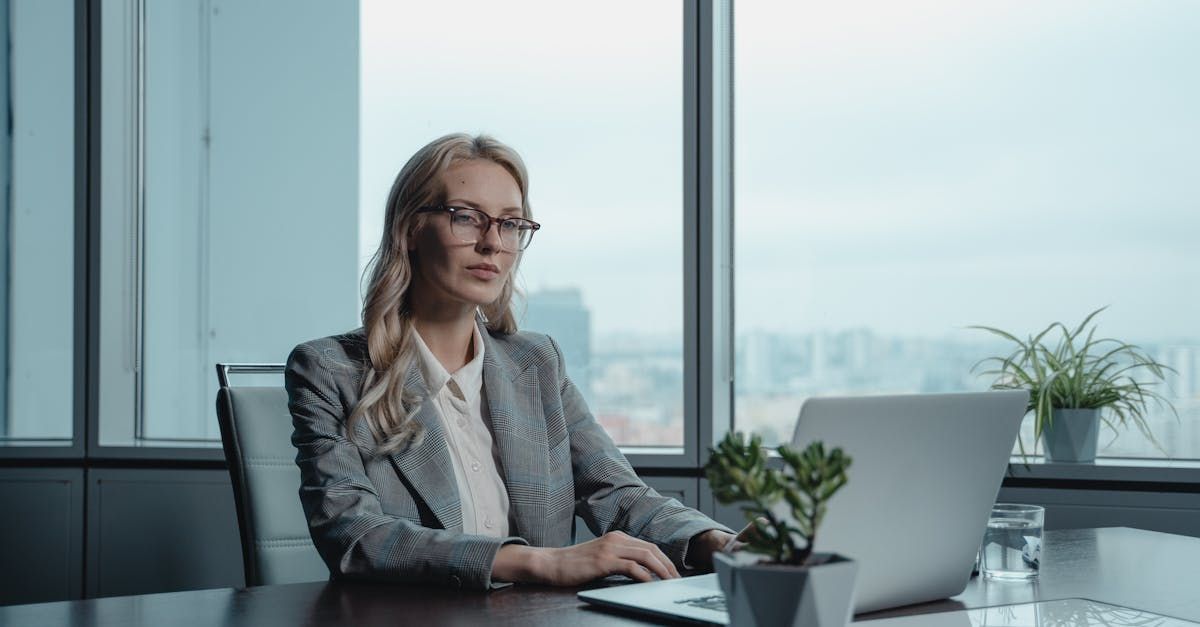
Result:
[{"x": 490, "y": 240}]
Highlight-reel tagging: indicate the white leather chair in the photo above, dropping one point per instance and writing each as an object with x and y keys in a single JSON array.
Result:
[{"x": 256, "y": 432}]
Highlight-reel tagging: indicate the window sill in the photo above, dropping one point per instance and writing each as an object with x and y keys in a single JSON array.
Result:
[
  {"x": 34, "y": 443},
  {"x": 158, "y": 452},
  {"x": 1111, "y": 470}
]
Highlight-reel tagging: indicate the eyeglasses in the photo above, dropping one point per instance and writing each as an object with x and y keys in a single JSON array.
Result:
[{"x": 471, "y": 225}]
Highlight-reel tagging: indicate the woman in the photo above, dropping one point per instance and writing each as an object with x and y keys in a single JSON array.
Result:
[{"x": 437, "y": 443}]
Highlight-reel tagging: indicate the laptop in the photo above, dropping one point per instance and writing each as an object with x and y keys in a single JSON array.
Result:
[{"x": 926, "y": 471}]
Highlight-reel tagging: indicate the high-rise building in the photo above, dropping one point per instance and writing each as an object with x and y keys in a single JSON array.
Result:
[
  {"x": 561, "y": 314},
  {"x": 755, "y": 374},
  {"x": 1183, "y": 382}
]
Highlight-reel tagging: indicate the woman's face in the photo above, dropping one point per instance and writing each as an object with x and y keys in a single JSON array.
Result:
[{"x": 449, "y": 272}]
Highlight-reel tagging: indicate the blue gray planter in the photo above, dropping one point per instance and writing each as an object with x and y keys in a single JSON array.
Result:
[
  {"x": 1072, "y": 435},
  {"x": 770, "y": 595}
]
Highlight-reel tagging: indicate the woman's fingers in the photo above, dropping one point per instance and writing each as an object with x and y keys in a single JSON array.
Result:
[
  {"x": 634, "y": 571},
  {"x": 614, "y": 553},
  {"x": 662, "y": 557},
  {"x": 645, "y": 553},
  {"x": 749, "y": 531},
  {"x": 647, "y": 559}
]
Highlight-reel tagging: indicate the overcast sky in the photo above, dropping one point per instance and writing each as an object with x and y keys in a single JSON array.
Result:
[{"x": 906, "y": 168}]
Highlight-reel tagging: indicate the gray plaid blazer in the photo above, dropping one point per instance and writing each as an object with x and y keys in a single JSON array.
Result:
[{"x": 396, "y": 517}]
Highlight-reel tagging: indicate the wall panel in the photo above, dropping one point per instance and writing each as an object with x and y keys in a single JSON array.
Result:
[
  {"x": 41, "y": 535},
  {"x": 161, "y": 530}
]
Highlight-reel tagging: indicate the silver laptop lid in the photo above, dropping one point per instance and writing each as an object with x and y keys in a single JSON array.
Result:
[{"x": 926, "y": 470}]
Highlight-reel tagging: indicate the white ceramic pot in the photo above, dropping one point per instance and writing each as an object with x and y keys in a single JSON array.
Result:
[{"x": 771, "y": 595}]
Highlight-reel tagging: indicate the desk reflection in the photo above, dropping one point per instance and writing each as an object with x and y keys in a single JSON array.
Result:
[{"x": 1059, "y": 613}]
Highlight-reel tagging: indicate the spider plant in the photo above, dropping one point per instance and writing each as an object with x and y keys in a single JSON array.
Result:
[{"x": 1079, "y": 371}]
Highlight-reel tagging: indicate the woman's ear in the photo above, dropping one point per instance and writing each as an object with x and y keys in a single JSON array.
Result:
[
  {"x": 410, "y": 238},
  {"x": 412, "y": 233}
]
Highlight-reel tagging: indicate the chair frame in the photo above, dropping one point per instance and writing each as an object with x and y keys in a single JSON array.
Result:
[{"x": 232, "y": 448}]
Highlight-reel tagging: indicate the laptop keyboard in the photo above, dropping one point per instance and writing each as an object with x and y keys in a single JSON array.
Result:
[{"x": 715, "y": 602}]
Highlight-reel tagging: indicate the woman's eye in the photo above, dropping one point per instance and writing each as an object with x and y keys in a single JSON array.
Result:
[
  {"x": 510, "y": 225},
  {"x": 464, "y": 218}
]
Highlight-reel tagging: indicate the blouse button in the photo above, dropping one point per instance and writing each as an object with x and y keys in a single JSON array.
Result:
[{"x": 475, "y": 466}]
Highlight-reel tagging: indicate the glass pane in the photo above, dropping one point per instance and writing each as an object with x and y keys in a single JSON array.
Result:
[
  {"x": 249, "y": 229},
  {"x": 595, "y": 112},
  {"x": 910, "y": 169},
  {"x": 37, "y": 225}
]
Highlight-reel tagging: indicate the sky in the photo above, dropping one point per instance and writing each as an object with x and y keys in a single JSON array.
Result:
[
  {"x": 963, "y": 163},
  {"x": 590, "y": 98},
  {"x": 911, "y": 168}
]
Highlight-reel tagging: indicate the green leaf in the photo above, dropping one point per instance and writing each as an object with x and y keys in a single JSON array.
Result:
[
  {"x": 737, "y": 471},
  {"x": 1079, "y": 370}
]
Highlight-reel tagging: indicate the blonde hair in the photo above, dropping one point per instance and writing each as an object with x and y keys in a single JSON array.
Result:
[{"x": 384, "y": 402}]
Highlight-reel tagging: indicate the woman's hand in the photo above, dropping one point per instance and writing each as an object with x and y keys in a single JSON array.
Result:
[
  {"x": 614, "y": 553},
  {"x": 703, "y": 545}
]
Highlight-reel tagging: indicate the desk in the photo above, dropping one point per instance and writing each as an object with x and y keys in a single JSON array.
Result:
[{"x": 1141, "y": 569}]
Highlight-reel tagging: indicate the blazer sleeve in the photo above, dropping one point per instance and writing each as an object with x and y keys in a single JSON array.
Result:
[
  {"x": 355, "y": 538},
  {"x": 609, "y": 494}
]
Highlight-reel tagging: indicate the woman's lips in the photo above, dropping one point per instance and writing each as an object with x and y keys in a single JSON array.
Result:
[{"x": 485, "y": 272}]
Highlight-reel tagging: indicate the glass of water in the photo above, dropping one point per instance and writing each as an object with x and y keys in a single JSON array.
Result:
[{"x": 1012, "y": 546}]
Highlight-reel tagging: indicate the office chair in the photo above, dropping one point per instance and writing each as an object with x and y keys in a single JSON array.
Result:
[{"x": 256, "y": 432}]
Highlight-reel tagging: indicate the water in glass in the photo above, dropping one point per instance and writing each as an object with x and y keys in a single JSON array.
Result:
[{"x": 1012, "y": 548}]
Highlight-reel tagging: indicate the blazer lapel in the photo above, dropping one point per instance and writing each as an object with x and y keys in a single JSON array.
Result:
[
  {"x": 427, "y": 464},
  {"x": 519, "y": 427}
]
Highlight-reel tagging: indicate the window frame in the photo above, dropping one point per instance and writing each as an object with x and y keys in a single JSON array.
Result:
[
  {"x": 98, "y": 356},
  {"x": 84, "y": 140},
  {"x": 708, "y": 257},
  {"x": 1154, "y": 469},
  {"x": 698, "y": 178},
  {"x": 695, "y": 154}
]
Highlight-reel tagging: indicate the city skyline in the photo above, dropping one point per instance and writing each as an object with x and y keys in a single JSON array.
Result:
[{"x": 633, "y": 381}]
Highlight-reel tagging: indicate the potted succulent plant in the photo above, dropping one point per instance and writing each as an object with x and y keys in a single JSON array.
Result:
[
  {"x": 1072, "y": 382},
  {"x": 790, "y": 585}
]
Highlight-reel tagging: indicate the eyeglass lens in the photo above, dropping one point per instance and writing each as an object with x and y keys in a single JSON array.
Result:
[{"x": 469, "y": 225}]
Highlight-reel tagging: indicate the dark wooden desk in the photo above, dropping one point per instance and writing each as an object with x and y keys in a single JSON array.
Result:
[{"x": 1140, "y": 569}]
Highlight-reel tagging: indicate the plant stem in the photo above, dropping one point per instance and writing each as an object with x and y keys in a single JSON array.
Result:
[
  {"x": 812, "y": 537},
  {"x": 787, "y": 547}
]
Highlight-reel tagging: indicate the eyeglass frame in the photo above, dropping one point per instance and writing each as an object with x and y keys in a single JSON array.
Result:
[{"x": 452, "y": 209}]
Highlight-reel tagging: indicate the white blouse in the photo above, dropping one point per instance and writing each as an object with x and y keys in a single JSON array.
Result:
[{"x": 458, "y": 398}]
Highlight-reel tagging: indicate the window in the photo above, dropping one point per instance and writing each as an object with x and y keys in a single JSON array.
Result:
[
  {"x": 595, "y": 113},
  {"x": 247, "y": 161},
  {"x": 229, "y": 210},
  {"x": 37, "y": 221},
  {"x": 912, "y": 169},
  {"x": 957, "y": 165}
]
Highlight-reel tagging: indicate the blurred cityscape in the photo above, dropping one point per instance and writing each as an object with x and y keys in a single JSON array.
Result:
[
  {"x": 776, "y": 372},
  {"x": 634, "y": 383}
]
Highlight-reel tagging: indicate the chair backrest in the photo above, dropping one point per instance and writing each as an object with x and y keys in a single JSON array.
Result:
[{"x": 256, "y": 432}]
